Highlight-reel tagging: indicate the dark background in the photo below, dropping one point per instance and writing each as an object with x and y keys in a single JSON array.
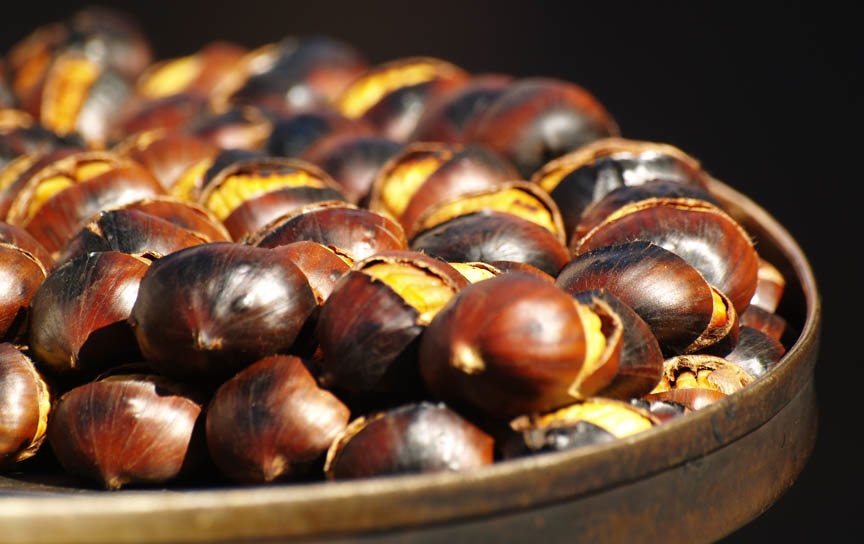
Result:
[{"x": 765, "y": 94}]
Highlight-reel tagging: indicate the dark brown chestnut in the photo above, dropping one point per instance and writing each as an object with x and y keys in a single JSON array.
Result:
[
  {"x": 25, "y": 405},
  {"x": 393, "y": 95},
  {"x": 78, "y": 315},
  {"x": 685, "y": 312},
  {"x": 770, "y": 286},
  {"x": 21, "y": 274},
  {"x": 293, "y": 134},
  {"x": 17, "y": 236},
  {"x": 293, "y": 74},
  {"x": 520, "y": 198},
  {"x": 231, "y": 304},
  {"x": 757, "y": 351},
  {"x": 124, "y": 430},
  {"x": 515, "y": 344},
  {"x": 128, "y": 231},
  {"x": 271, "y": 421},
  {"x": 172, "y": 113},
  {"x": 489, "y": 236},
  {"x": 426, "y": 173},
  {"x": 537, "y": 119},
  {"x": 72, "y": 189},
  {"x": 353, "y": 161},
  {"x": 238, "y": 127},
  {"x": 374, "y": 351},
  {"x": 166, "y": 154},
  {"x": 446, "y": 116},
  {"x": 322, "y": 265},
  {"x": 581, "y": 176},
  {"x": 183, "y": 213},
  {"x": 701, "y": 233},
  {"x": 356, "y": 232},
  {"x": 414, "y": 438}
]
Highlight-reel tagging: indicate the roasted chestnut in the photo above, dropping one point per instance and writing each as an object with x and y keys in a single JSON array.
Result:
[
  {"x": 354, "y": 231},
  {"x": 238, "y": 127},
  {"x": 515, "y": 344},
  {"x": 704, "y": 235},
  {"x": 586, "y": 174},
  {"x": 167, "y": 155},
  {"x": 685, "y": 312},
  {"x": 421, "y": 437},
  {"x": 183, "y": 213},
  {"x": 78, "y": 315},
  {"x": 489, "y": 236},
  {"x": 293, "y": 134},
  {"x": 232, "y": 304},
  {"x": 21, "y": 274},
  {"x": 25, "y": 404},
  {"x": 536, "y": 119},
  {"x": 125, "y": 430},
  {"x": 594, "y": 420},
  {"x": 393, "y": 95},
  {"x": 374, "y": 352},
  {"x": 426, "y": 173},
  {"x": 271, "y": 421},
  {"x": 757, "y": 351},
  {"x": 698, "y": 380},
  {"x": 353, "y": 161}
]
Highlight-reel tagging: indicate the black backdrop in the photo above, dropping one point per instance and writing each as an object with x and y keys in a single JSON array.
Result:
[{"x": 766, "y": 95}]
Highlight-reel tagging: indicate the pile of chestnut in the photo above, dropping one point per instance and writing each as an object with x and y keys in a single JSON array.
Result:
[{"x": 287, "y": 263}]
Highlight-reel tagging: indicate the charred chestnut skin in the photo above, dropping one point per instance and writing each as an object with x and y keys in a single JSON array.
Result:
[
  {"x": 25, "y": 405},
  {"x": 127, "y": 430},
  {"x": 232, "y": 304},
  {"x": 422, "y": 437},
  {"x": 271, "y": 421}
]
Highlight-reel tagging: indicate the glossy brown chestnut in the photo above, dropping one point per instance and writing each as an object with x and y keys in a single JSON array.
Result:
[
  {"x": 356, "y": 232},
  {"x": 393, "y": 95},
  {"x": 353, "y": 161},
  {"x": 124, "y": 430},
  {"x": 771, "y": 323},
  {"x": 293, "y": 134},
  {"x": 231, "y": 305},
  {"x": 293, "y": 74},
  {"x": 17, "y": 236},
  {"x": 757, "y": 352},
  {"x": 587, "y": 173},
  {"x": 200, "y": 174},
  {"x": 183, "y": 213},
  {"x": 515, "y": 344},
  {"x": 704, "y": 235},
  {"x": 426, "y": 173},
  {"x": 770, "y": 285},
  {"x": 698, "y": 380},
  {"x": 421, "y": 437},
  {"x": 61, "y": 195},
  {"x": 537, "y": 119},
  {"x": 78, "y": 315},
  {"x": 15, "y": 175},
  {"x": 128, "y": 231},
  {"x": 21, "y": 274},
  {"x": 271, "y": 421},
  {"x": 446, "y": 116},
  {"x": 25, "y": 404},
  {"x": 172, "y": 113},
  {"x": 641, "y": 364},
  {"x": 489, "y": 236},
  {"x": 167, "y": 155},
  {"x": 374, "y": 351},
  {"x": 238, "y": 127},
  {"x": 322, "y": 265},
  {"x": 520, "y": 198},
  {"x": 685, "y": 313}
]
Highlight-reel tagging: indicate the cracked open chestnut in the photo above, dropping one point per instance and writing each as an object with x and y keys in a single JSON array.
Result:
[
  {"x": 209, "y": 310},
  {"x": 374, "y": 352},
  {"x": 685, "y": 312},
  {"x": 515, "y": 344},
  {"x": 698, "y": 380}
]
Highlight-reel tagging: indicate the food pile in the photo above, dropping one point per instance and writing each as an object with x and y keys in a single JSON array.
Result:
[{"x": 287, "y": 263}]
